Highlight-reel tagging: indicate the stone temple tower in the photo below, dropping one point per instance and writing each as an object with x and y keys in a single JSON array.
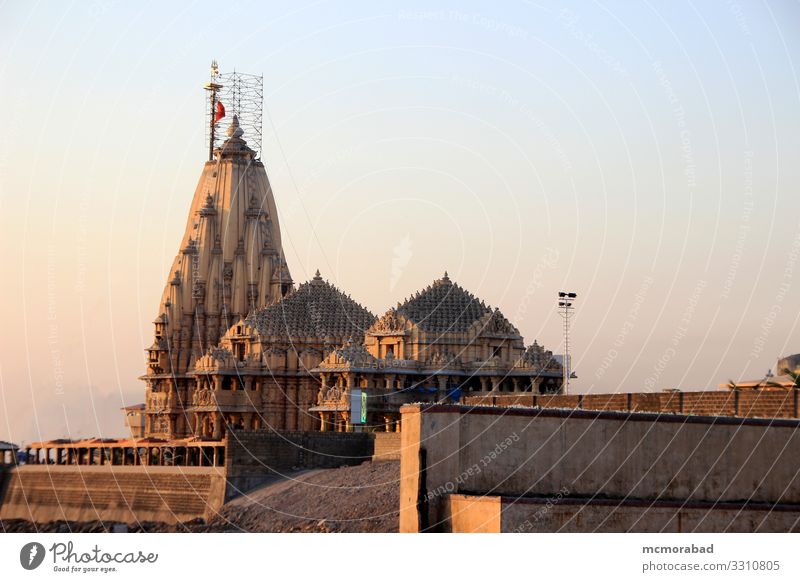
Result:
[{"x": 230, "y": 263}]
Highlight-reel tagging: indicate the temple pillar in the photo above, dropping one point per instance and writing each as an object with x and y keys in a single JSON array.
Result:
[
  {"x": 291, "y": 407},
  {"x": 484, "y": 383},
  {"x": 442, "y": 379},
  {"x": 217, "y": 383},
  {"x": 218, "y": 423}
]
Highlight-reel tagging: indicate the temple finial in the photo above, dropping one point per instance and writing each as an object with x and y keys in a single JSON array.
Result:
[{"x": 234, "y": 130}]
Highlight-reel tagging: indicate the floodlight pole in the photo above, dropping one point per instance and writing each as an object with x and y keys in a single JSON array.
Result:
[{"x": 566, "y": 299}]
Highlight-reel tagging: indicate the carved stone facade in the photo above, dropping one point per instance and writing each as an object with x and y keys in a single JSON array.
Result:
[
  {"x": 438, "y": 346},
  {"x": 262, "y": 372},
  {"x": 237, "y": 346}
]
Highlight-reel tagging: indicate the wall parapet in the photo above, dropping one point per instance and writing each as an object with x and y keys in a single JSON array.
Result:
[{"x": 747, "y": 403}]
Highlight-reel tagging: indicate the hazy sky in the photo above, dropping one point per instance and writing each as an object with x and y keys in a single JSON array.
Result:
[{"x": 644, "y": 155}]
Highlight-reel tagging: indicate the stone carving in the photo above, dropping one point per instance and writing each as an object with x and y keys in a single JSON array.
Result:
[
  {"x": 389, "y": 323},
  {"x": 497, "y": 324},
  {"x": 199, "y": 290},
  {"x": 204, "y": 397},
  {"x": 334, "y": 394}
]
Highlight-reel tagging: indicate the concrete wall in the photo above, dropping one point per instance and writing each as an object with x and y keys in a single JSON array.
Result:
[
  {"x": 538, "y": 453},
  {"x": 253, "y": 456},
  {"x": 43, "y": 493},
  {"x": 492, "y": 514},
  {"x": 761, "y": 403}
]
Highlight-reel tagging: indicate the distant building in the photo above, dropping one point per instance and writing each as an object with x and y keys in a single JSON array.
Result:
[
  {"x": 134, "y": 420},
  {"x": 781, "y": 378},
  {"x": 8, "y": 453}
]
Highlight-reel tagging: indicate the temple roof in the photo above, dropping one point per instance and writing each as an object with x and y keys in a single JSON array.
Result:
[
  {"x": 444, "y": 307},
  {"x": 316, "y": 308},
  {"x": 538, "y": 357},
  {"x": 352, "y": 353}
]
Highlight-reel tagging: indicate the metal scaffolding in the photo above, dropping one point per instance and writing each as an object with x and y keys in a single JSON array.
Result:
[{"x": 241, "y": 94}]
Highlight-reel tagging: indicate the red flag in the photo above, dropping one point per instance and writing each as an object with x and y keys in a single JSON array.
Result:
[{"x": 220, "y": 111}]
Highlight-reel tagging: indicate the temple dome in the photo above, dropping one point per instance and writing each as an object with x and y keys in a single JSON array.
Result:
[
  {"x": 444, "y": 307},
  {"x": 315, "y": 309}
]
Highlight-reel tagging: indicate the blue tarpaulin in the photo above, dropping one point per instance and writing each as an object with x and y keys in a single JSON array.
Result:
[
  {"x": 452, "y": 393},
  {"x": 455, "y": 394}
]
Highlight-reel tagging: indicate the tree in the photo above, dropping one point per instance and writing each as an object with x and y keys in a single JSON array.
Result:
[{"x": 794, "y": 377}]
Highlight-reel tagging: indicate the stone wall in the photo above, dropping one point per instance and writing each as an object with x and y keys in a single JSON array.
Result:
[
  {"x": 528, "y": 453},
  {"x": 170, "y": 494},
  {"x": 255, "y": 456},
  {"x": 43, "y": 493},
  {"x": 387, "y": 446},
  {"x": 761, "y": 403}
]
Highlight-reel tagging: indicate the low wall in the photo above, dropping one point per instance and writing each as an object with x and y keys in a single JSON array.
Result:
[
  {"x": 387, "y": 446},
  {"x": 491, "y": 514},
  {"x": 760, "y": 403},
  {"x": 253, "y": 457},
  {"x": 517, "y": 452},
  {"x": 43, "y": 493},
  {"x": 130, "y": 493}
]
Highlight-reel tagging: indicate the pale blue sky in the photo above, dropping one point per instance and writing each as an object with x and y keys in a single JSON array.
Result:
[{"x": 641, "y": 154}]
